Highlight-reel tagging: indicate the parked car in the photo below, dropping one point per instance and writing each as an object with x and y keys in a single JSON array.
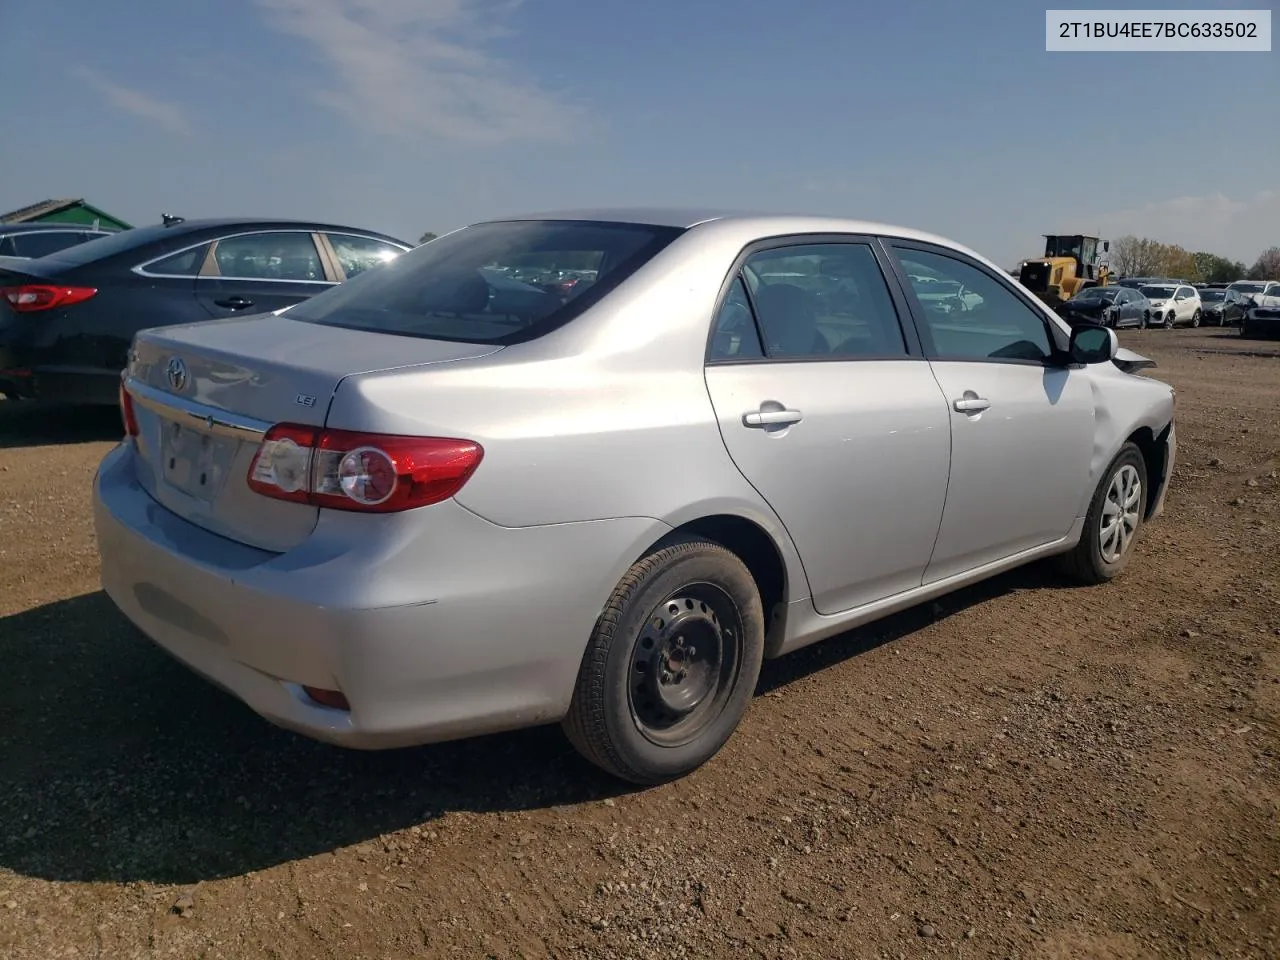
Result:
[
  {"x": 1221, "y": 306},
  {"x": 28, "y": 241},
  {"x": 1252, "y": 289},
  {"x": 66, "y": 319},
  {"x": 1262, "y": 312},
  {"x": 1110, "y": 306},
  {"x": 1172, "y": 304},
  {"x": 346, "y": 514}
]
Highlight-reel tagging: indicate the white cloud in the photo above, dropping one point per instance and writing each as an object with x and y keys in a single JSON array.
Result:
[
  {"x": 418, "y": 66},
  {"x": 160, "y": 112},
  {"x": 1239, "y": 229}
]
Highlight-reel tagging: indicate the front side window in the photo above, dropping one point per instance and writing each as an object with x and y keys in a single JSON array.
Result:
[
  {"x": 497, "y": 282},
  {"x": 287, "y": 255},
  {"x": 823, "y": 300},
  {"x": 357, "y": 254},
  {"x": 995, "y": 324}
]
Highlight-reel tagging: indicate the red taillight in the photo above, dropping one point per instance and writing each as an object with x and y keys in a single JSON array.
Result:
[
  {"x": 126, "y": 412},
  {"x": 346, "y": 470},
  {"x": 34, "y": 297}
]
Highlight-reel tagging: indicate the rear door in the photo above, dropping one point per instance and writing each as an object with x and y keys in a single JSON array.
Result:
[
  {"x": 261, "y": 271},
  {"x": 827, "y": 407}
]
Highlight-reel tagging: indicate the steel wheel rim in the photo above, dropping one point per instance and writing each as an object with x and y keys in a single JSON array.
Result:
[
  {"x": 684, "y": 663},
  {"x": 1121, "y": 509}
]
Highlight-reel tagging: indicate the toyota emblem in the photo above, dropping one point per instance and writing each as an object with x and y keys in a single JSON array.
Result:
[{"x": 176, "y": 371}]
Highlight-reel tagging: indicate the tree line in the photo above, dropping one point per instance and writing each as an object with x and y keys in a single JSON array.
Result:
[{"x": 1143, "y": 257}]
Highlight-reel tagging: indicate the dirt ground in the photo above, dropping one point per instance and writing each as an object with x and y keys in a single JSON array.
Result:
[{"x": 1023, "y": 770}]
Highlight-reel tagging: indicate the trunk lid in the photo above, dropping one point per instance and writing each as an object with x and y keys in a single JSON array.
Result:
[{"x": 204, "y": 394}]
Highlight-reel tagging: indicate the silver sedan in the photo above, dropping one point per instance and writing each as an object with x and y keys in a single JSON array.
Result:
[{"x": 594, "y": 467}]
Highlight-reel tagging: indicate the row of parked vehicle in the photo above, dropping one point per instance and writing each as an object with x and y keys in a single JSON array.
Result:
[{"x": 1253, "y": 305}]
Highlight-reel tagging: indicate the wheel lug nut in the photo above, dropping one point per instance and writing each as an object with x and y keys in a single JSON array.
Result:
[{"x": 666, "y": 677}]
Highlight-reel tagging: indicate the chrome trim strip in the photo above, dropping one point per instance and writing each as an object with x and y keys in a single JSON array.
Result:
[
  {"x": 142, "y": 271},
  {"x": 215, "y": 421}
]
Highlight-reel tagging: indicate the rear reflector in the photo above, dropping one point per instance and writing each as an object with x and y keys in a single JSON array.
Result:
[
  {"x": 126, "y": 412},
  {"x": 34, "y": 297},
  {"x": 345, "y": 470},
  {"x": 327, "y": 698}
]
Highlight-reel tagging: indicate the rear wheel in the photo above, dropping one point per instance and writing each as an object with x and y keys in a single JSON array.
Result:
[
  {"x": 1112, "y": 523},
  {"x": 671, "y": 665},
  {"x": 1142, "y": 321}
]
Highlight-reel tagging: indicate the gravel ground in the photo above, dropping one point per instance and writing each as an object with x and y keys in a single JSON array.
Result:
[{"x": 1024, "y": 769}]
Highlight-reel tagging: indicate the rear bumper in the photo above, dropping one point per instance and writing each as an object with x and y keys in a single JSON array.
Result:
[{"x": 435, "y": 624}]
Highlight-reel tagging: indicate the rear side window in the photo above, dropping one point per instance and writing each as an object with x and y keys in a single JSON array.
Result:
[
  {"x": 7, "y": 249},
  {"x": 184, "y": 264},
  {"x": 810, "y": 301},
  {"x": 503, "y": 282}
]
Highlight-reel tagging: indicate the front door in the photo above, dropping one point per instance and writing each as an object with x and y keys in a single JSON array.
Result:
[
  {"x": 1022, "y": 420},
  {"x": 260, "y": 272},
  {"x": 832, "y": 416}
]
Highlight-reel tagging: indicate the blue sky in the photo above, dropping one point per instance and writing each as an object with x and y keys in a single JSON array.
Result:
[{"x": 409, "y": 115}]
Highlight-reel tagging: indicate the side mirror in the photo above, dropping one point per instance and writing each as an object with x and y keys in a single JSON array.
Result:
[{"x": 1093, "y": 344}]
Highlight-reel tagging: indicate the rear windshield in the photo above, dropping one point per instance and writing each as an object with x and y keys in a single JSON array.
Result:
[
  {"x": 503, "y": 282},
  {"x": 1213, "y": 294},
  {"x": 92, "y": 250}
]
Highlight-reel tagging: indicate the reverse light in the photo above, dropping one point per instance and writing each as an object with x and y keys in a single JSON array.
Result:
[
  {"x": 34, "y": 297},
  {"x": 348, "y": 470}
]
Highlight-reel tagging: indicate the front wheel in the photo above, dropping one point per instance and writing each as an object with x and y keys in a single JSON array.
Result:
[
  {"x": 1168, "y": 321},
  {"x": 671, "y": 665},
  {"x": 1112, "y": 523},
  {"x": 1195, "y": 319}
]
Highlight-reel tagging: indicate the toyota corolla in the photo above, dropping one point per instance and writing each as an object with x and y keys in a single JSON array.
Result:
[{"x": 435, "y": 501}]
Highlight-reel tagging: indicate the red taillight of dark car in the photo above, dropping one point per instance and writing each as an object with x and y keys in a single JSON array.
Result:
[
  {"x": 346, "y": 470},
  {"x": 35, "y": 297}
]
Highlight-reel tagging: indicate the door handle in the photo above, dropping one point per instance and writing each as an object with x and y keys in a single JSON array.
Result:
[
  {"x": 771, "y": 418},
  {"x": 234, "y": 303},
  {"x": 970, "y": 403}
]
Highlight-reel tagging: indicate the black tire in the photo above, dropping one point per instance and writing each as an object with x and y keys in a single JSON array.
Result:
[
  {"x": 1195, "y": 319},
  {"x": 621, "y": 703},
  {"x": 1142, "y": 324},
  {"x": 1168, "y": 321},
  {"x": 1086, "y": 562}
]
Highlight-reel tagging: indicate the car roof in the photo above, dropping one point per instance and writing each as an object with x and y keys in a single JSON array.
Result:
[
  {"x": 191, "y": 226},
  {"x": 48, "y": 226},
  {"x": 762, "y": 222}
]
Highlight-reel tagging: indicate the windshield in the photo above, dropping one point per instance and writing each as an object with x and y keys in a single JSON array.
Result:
[
  {"x": 503, "y": 282},
  {"x": 1213, "y": 294},
  {"x": 1157, "y": 293},
  {"x": 1096, "y": 293}
]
